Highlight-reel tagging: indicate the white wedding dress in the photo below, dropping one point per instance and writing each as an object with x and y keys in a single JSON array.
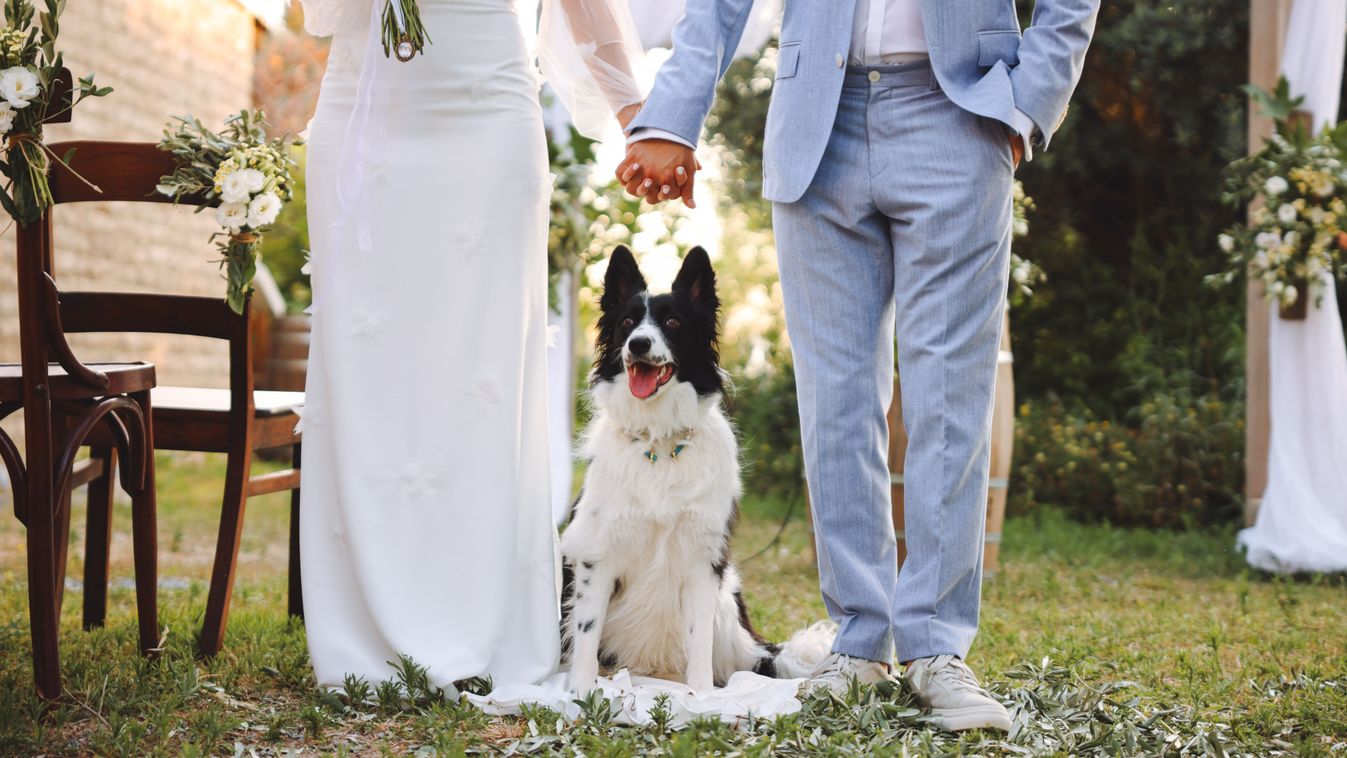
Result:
[{"x": 426, "y": 528}]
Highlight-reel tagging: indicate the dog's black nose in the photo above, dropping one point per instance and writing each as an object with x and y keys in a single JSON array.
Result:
[{"x": 639, "y": 345}]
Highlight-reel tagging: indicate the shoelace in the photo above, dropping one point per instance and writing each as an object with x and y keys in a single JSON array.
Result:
[
  {"x": 837, "y": 665},
  {"x": 956, "y": 673}
]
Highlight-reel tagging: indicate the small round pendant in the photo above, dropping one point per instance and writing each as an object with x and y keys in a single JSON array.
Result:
[{"x": 405, "y": 50}]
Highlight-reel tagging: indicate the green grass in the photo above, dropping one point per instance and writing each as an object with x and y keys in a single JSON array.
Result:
[{"x": 1158, "y": 642}]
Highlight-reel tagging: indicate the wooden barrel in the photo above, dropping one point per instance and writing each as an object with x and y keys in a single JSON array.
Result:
[
  {"x": 288, "y": 358},
  {"x": 1003, "y": 442}
]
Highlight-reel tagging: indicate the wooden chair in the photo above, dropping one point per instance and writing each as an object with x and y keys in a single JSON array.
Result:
[
  {"x": 65, "y": 402},
  {"x": 236, "y": 421}
]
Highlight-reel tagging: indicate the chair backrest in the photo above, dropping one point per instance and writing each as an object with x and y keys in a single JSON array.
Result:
[{"x": 124, "y": 172}]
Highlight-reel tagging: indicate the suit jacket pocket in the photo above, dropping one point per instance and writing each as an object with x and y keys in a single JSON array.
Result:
[
  {"x": 788, "y": 60},
  {"x": 1000, "y": 45}
]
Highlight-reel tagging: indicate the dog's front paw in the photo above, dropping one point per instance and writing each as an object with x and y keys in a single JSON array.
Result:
[
  {"x": 583, "y": 682},
  {"x": 701, "y": 682}
]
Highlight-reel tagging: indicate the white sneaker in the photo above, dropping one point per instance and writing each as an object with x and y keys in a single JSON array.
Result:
[
  {"x": 946, "y": 686},
  {"x": 835, "y": 673}
]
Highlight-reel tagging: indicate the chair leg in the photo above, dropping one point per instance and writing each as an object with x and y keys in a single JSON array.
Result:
[
  {"x": 144, "y": 530},
  {"x": 98, "y": 539},
  {"x": 226, "y": 551},
  {"x": 42, "y": 598},
  {"x": 296, "y": 585}
]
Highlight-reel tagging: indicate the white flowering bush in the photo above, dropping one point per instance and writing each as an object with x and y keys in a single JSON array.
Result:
[
  {"x": 1024, "y": 273},
  {"x": 1295, "y": 240},
  {"x": 31, "y": 68},
  {"x": 240, "y": 174}
]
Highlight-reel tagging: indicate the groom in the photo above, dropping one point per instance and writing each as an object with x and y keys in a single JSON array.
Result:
[{"x": 893, "y": 134}]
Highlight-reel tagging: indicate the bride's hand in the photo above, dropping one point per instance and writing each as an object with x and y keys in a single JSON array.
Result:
[{"x": 628, "y": 113}]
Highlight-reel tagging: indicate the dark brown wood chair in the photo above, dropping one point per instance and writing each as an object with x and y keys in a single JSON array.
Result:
[
  {"x": 236, "y": 421},
  {"x": 64, "y": 403}
]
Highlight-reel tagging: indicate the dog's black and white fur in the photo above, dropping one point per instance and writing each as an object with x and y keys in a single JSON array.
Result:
[{"x": 649, "y": 585}]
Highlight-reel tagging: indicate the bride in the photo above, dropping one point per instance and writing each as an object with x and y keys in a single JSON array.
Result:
[{"x": 426, "y": 530}]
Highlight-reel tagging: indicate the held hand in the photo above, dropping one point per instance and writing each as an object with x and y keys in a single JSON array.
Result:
[
  {"x": 658, "y": 170},
  {"x": 1016, "y": 149}
]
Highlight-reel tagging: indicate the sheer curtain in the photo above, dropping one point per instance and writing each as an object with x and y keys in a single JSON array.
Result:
[{"x": 1302, "y": 522}]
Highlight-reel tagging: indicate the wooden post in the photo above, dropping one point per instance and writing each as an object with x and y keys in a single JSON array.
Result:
[{"x": 1267, "y": 36}]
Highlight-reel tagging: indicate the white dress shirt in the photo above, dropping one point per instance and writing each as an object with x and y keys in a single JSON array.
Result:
[
  {"x": 882, "y": 32},
  {"x": 887, "y": 31}
]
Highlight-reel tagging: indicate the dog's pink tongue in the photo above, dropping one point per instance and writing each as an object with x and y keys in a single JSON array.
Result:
[{"x": 643, "y": 380}]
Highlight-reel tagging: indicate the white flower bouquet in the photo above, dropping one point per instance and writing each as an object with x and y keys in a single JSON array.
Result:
[
  {"x": 1295, "y": 240},
  {"x": 403, "y": 33},
  {"x": 240, "y": 173},
  {"x": 31, "y": 71}
]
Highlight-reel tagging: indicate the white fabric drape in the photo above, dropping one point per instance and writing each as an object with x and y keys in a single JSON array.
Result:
[
  {"x": 745, "y": 694},
  {"x": 1302, "y": 522}
]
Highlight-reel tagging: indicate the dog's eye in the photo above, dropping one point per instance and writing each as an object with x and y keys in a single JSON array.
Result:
[
  {"x": 672, "y": 323},
  {"x": 628, "y": 323}
]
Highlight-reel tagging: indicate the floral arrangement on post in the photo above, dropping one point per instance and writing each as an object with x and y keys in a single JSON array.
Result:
[
  {"x": 1024, "y": 273},
  {"x": 31, "y": 69},
  {"x": 1296, "y": 237},
  {"x": 242, "y": 175}
]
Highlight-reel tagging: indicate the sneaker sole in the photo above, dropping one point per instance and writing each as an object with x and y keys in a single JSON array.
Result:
[{"x": 976, "y": 717}]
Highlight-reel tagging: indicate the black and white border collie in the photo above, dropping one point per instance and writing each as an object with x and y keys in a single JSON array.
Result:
[{"x": 649, "y": 585}]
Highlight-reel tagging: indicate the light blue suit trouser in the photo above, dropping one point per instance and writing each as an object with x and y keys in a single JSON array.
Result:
[{"x": 906, "y": 226}]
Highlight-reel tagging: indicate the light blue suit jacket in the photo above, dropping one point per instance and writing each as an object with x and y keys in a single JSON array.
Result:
[{"x": 982, "y": 61}]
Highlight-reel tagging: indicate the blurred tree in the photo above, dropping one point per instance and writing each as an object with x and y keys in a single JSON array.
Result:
[{"x": 1129, "y": 208}]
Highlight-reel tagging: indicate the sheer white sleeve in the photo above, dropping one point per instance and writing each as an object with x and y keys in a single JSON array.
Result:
[
  {"x": 590, "y": 53},
  {"x": 322, "y": 18}
]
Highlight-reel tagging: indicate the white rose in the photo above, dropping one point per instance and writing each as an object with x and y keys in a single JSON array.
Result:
[
  {"x": 19, "y": 85},
  {"x": 7, "y": 114},
  {"x": 232, "y": 216},
  {"x": 1276, "y": 185},
  {"x": 1290, "y": 239},
  {"x": 1021, "y": 227},
  {"x": 1290, "y": 294},
  {"x": 264, "y": 210},
  {"x": 1286, "y": 213},
  {"x": 254, "y": 180},
  {"x": 1267, "y": 240},
  {"x": 1226, "y": 242},
  {"x": 1317, "y": 215},
  {"x": 234, "y": 189},
  {"x": 1324, "y": 188}
]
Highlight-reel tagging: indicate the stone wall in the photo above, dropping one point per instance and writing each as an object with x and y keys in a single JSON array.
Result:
[{"x": 163, "y": 57}]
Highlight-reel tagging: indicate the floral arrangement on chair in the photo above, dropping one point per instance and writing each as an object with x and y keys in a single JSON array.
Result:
[
  {"x": 31, "y": 68},
  {"x": 240, "y": 173},
  {"x": 1296, "y": 238}
]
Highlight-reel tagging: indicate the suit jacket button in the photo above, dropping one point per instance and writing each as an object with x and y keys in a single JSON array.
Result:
[{"x": 840, "y": 60}]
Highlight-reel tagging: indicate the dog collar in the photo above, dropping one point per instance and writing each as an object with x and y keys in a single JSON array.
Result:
[{"x": 684, "y": 439}]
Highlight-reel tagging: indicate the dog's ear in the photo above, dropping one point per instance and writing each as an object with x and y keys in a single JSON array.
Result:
[
  {"x": 697, "y": 280},
  {"x": 623, "y": 280}
]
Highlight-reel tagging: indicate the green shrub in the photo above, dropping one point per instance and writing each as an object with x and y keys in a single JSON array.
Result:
[
  {"x": 1174, "y": 461},
  {"x": 764, "y": 410}
]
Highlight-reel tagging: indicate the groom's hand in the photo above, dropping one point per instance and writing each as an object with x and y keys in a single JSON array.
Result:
[
  {"x": 658, "y": 170},
  {"x": 1016, "y": 149}
]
